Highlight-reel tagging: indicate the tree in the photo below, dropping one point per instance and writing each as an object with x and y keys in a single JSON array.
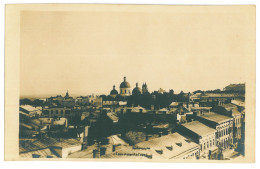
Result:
[{"x": 25, "y": 101}]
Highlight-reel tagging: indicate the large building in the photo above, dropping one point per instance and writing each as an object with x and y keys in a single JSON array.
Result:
[
  {"x": 223, "y": 125},
  {"x": 203, "y": 135},
  {"x": 125, "y": 88}
]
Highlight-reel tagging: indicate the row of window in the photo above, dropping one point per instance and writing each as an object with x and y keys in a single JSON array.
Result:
[
  {"x": 193, "y": 154},
  {"x": 207, "y": 144},
  {"x": 222, "y": 133},
  {"x": 125, "y": 91},
  {"x": 56, "y": 112}
]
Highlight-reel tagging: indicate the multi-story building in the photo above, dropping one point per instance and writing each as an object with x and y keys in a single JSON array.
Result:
[
  {"x": 223, "y": 125},
  {"x": 203, "y": 135},
  {"x": 56, "y": 112}
]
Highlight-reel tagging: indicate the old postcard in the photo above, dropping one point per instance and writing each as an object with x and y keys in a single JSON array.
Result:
[{"x": 154, "y": 83}]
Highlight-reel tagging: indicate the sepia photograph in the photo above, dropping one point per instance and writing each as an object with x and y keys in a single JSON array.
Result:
[{"x": 130, "y": 82}]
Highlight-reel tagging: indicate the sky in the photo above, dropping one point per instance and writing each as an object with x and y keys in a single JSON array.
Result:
[{"x": 87, "y": 52}]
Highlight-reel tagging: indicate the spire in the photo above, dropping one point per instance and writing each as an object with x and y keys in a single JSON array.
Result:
[
  {"x": 136, "y": 84},
  {"x": 67, "y": 94},
  {"x": 114, "y": 87},
  {"x": 124, "y": 79}
]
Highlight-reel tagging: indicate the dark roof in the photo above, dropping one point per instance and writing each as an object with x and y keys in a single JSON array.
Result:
[
  {"x": 137, "y": 90},
  {"x": 114, "y": 92},
  {"x": 125, "y": 84}
]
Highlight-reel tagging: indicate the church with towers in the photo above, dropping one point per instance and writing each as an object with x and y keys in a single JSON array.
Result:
[{"x": 125, "y": 89}]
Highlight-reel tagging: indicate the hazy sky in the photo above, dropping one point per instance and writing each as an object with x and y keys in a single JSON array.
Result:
[{"x": 89, "y": 52}]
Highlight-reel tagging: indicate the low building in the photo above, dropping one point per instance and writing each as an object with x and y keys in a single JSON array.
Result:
[
  {"x": 54, "y": 121},
  {"x": 30, "y": 111}
]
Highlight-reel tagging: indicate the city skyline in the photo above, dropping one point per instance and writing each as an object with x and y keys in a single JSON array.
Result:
[{"x": 72, "y": 93}]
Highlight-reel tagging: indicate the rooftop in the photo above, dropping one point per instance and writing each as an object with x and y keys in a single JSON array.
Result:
[
  {"x": 199, "y": 128},
  {"x": 215, "y": 117},
  {"x": 43, "y": 153},
  {"x": 34, "y": 145},
  {"x": 30, "y": 108},
  {"x": 174, "y": 104},
  {"x": 172, "y": 145},
  {"x": 113, "y": 116}
]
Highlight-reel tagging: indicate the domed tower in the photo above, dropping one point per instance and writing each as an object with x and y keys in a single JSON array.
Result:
[
  {"x": 137, "y": 90},
  {"x": 114, "y": 92},
  {"x": 125, "y": 88},
  {"x": 144, "y": 88}
]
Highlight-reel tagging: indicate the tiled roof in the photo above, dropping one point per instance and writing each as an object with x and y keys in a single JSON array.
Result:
[
  {"x": 43, "y": 153},
  {"x": 46, "y": 143}
]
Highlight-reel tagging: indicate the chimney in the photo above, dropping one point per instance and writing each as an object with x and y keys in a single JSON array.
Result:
[
  {"x": 113, "y": 148},
  {"x": 147, "y": 137}
]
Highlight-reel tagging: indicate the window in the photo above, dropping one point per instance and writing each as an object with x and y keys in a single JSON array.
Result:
[
  {"x": 57, "y": 111},
  {"x": 51, "y": 111},
  {"x": 46, "y": 111},
  {"x": 61, "y": 112}
]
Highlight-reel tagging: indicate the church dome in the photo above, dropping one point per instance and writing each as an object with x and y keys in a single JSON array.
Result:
[
  {"x": 125, "y": 84},
  {"x": 137, "y": 90},
  {"x": 114, "y": 91}
]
